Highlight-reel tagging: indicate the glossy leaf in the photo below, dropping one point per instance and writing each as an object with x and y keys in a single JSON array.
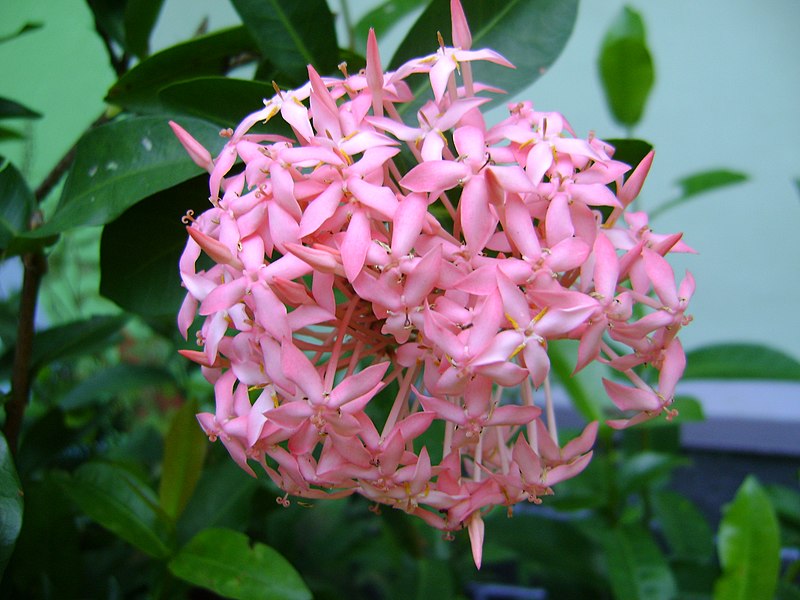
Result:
[
  {"x": 626, "y": 67},
  {"x": 109, "y": 18},
  {"x": 221, "y": 100},
  {"x": 184, "y": 452},
  {"x": 16, "y": 204},
  {"x": 225, "y": 562},
  {"x": 700, "y": 183},
  {"x": 143, "y": 277},
  {"x": 121, "y": 163},
  {"x": 10, "y": 109},
  {"x": 121, "y": 502},
  {"x": 749, "y": 545},
  {"x": 637, "y": 568},
  {"x": 140, "y": 18},
  {"x": 106, "y": 384},
  {"x": 686, "y": 530},
  {"x": 529, "y": 33},
  {"x": 292, "y": 34},
  {"x": 741, "y": 361},
  {"x": 629, "y": 150},
  {"x": 382, "y": 18},
  {"x": 211, "y": 54},
  {"x": 11, "y": 505}
]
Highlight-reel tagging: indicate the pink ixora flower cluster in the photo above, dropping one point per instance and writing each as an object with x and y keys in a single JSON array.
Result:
[{"x": 341, "y": 273}]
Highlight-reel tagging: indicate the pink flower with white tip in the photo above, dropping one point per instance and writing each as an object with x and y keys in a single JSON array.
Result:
[{"x": 346, "y": 286}]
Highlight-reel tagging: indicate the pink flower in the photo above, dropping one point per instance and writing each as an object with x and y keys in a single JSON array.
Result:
[{"x": 338, "y": 275}]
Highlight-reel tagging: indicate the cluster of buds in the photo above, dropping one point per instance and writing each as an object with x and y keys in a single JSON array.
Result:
[{"x": 356, "y": 305}]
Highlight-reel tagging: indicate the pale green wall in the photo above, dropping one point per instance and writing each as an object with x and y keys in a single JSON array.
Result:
[{"x": 726, "y": 95}]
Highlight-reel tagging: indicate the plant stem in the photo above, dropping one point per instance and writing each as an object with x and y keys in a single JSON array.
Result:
[{"x": 35, "y": 266}]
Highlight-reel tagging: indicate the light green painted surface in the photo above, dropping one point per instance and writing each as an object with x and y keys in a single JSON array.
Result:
[{"x": 725, "y": 96}]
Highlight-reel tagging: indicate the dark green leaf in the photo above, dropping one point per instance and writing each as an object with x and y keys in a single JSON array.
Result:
[
  {"x": 140, "y": 18},
  {"x": 225, "y": 562},
  {"x": 11, "y": 505},
  {"x": 10, "y": 134},
  {"x": 435, "y": 580},
  {"x": 142, "y": 277},
  {"x": 626, "y": 67},
  {"x": 184, "y": 452},
  {"x": 47, "y": 556},
  {"x": 531, "y": 539},
  {"x": 740, "y": 361},
  {"x": 222, "y": 499},
  {"x": 700, "y": 183},
  {"x": 16, "y": 204},
  {"x": 637, "y": 568},
  {"x": 122, "y": 503},
  {"x": 121, "y": 163},
  {"x": 749, "y": 545},
  {"x": 63, "y": 341},
  {"x": 686, "y": 530},
  {"x": 786, "y": 502},
  {"x": 382, "y": 18},
  {"x": 109, "y": 17},
  {"x": 27, "y": 27},
  {"x": 630, "y": 151},
  {"x": 646, "y": 469},
  {"x": 588, "y": 405},
  {"x": 221, "y": 100},
  {"x": 108, "y": 383},
  {"x": 529, "y": 33},
  {"x": 292, "y": 34},
  {"x": 9, "y": 109},
  {"x": 212, "y": 54}
]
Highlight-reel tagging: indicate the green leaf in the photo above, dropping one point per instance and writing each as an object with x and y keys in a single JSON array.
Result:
[
  {"x": 64, "y": 341},
  {"x": 587, "y": 404},
  {"x": 109, "y": 19},
  {"x": 121, "y": 163},
  {"x": 9, "y": 109},
  {"x": 626, "y": 67},
  {"x": 17, "y": 203},
  {"x": 221, "y": 100},
  {"x": 212, "y": 54},
  {"x": 749, "y": 545},
  {"x": 143, "y": 277},
  {"x": 529, "y": 33},
  {"x": 184, "y": 452},
  {"x": 435, "y": 580},
  {"x": 690, "y": 410},
  {"x": 629, "y": 150},
  {"x": 292, "y": 34},
  {"x": 26, "y": 28},
  {"x": 7, "y": 133},
  {"x": 646, "y": 469},
  {"x": 740, "y": 361},
  {"x": 636, "y": 566},
  {"x": 121, "y": 502},
  {"x": 222, "y": 498},
  {"x": 686, "y": 530},
  {"x": 225, "y": 562},
  {"x": 700, "y": 183},
  {"x": 382, "y": 19},
  {"x": 11, "y": 505},
  {"x": 105, "y": 384},
  {"x": 140, "y": 18}
]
